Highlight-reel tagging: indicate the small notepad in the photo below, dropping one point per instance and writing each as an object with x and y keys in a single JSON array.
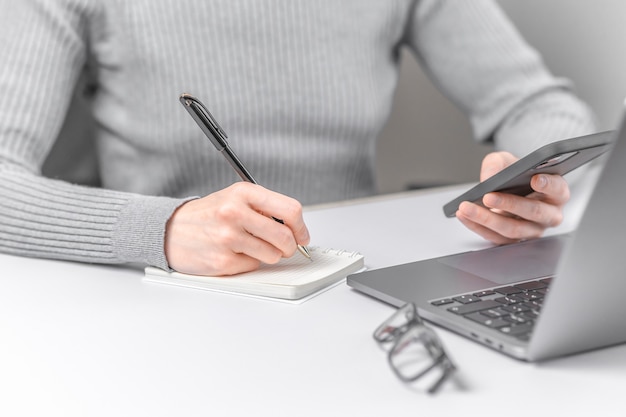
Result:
[{"x": 290, "y": 279}]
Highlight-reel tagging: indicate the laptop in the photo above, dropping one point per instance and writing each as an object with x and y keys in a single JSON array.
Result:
[{"x": 534, "y": 300}]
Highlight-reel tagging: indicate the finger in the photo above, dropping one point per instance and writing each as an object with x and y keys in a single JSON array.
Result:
[
  {"x": 240, "y": 251},
  {"x": 530, "y": 209},
  {"x": 281, "y": 207},
  {"x": 273, "y": 234},
  {"x": 242, "y": 229},
  {"x": 508, "y": 228},
  {"x": 482, "y": 231},
  {"x": 495, "y": 162},
  {"x": 553, "y": 188},
  {"x": 232, "y": 264},
  {"x": 199, "y": 259}
]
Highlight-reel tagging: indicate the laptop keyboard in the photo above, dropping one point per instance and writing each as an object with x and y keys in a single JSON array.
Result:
[{"x": 511, "y": 309}]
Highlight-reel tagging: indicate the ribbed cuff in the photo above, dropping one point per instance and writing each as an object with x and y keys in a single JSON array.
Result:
[{"x": 139, "y": 235}]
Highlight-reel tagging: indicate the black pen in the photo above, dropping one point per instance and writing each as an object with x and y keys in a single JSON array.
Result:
[{"x": 217, "y": 136}]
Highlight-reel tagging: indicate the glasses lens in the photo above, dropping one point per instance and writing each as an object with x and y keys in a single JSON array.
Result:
[
  {"x": 417, "y": 353},
  {"x": 397, "y": 324}
]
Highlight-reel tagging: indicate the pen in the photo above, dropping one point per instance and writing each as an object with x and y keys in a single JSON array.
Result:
[{"x": 217, "y": 136}]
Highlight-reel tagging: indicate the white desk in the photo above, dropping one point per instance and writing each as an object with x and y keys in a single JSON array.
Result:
[{"x": 89, "y": 340}]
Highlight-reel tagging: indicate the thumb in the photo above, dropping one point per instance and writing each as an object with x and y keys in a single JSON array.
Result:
[{"x": 495, "y": 162}]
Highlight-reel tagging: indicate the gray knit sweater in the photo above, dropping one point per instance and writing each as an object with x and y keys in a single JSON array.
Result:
[{"x": 302, "y": 87}]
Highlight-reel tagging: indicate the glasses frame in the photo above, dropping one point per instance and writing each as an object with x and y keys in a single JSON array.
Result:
[{"x": 394, "y": 337}]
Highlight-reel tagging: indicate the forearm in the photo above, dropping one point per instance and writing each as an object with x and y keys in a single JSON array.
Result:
[
  {"x": 547, "y": 117},
  {"x": 40, "y": 217}
]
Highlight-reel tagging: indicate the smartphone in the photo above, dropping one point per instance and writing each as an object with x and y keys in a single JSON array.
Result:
[{"x": 555, "y": 158}]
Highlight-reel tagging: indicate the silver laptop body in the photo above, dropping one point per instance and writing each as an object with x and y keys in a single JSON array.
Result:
[{"x": 584, "y": 307}]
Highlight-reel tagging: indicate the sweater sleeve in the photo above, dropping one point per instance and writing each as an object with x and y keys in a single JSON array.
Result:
[
  {"x": 474, "y": 54},
  {"x": 44, "y": 54}
]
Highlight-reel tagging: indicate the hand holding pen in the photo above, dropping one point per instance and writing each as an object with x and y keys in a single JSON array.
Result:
[{"x": 236, "y": 216}]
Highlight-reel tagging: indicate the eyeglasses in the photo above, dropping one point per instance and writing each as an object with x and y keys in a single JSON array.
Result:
[{"x": 414, "y": 350}]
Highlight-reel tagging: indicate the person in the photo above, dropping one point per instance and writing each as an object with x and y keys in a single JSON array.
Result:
[{"x": 302, "y": 88}]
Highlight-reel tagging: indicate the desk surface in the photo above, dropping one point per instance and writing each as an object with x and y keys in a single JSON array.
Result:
[{"x": 92, "y": 340}]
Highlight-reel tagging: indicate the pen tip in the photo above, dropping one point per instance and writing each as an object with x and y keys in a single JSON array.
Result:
[{"x": 305, "y": 251}]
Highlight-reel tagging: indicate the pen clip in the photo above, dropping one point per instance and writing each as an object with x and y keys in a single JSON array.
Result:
[
  {"x": 205, "y": 120},
  {"x": 215, "y": 133}
]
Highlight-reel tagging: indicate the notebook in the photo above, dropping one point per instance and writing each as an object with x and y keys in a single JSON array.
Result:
[
  {"x": 538, "y": 299},
  {"x": 290, "y": 279}
]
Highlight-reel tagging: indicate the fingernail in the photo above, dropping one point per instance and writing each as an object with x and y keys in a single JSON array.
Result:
[
  {"x": 469, "y": 210},
  {"x": 491, "y": 200},
  {"x": 542, "y": 181}
]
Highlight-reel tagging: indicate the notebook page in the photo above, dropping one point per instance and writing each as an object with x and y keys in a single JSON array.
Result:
[{"x": 298, "y": 269}]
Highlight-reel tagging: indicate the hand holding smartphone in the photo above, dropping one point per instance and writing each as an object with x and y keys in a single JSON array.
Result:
[{"x": 558, "y": 157}]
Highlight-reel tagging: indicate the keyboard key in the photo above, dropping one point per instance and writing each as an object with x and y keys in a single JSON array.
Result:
[
  {"x": 466, "y": 299},
  {"x": 516, "y": 319},
  {"x": 474, "y": 307},
  {"x": 507, "y": 290},
  {"x": 516, "y": 308},
  {"x": 530, "y": 315},
  {"x": 487, "y": 321},
  {"x": 442, "y": 302},
  {"x": 512, "y": 299},
  {"x": 546, "y": 281},
  {"x": 517, "y": 329},
  {"x": 484, "y": 293},
  {"x": 495, "y": 313},
  {"x": 534, "y": 304},
  {"x": 530, "y": 296},
  {"x": 532, "y": 285}
]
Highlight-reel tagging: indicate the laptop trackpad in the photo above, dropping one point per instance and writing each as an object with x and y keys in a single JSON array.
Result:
[{"x": 505, "y": 264}]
